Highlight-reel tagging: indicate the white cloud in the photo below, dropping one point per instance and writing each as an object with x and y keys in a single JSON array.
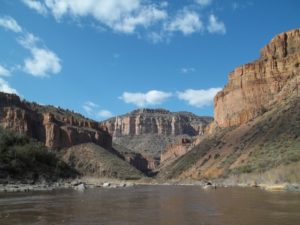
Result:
[
  {"x": 4, "y": 72},
  {"x": 36, "y": 5},
  {"x": 139, "y": 99},
  {"x": 186, "y": 70},
  {"x": 93, "y": 110},
  {"x": 104, "y": 114},
  {"x": 9, "y": 23},
  {"x": 204, "y": 2},
  {"x": 89, "y": 107},
  {"x": 198, "y": 98},
  {"x": 146, "y": 18},
  {"x": 5, "y": 87},
  {"x": 28, "y": 40},
  {"x": 43, "y": 61},
  {"x": 187, "y": 22},
  {"x": 123, "y": 16},
  {"x": 216, "y": 26},
  {"x": 156, "y": 37}
]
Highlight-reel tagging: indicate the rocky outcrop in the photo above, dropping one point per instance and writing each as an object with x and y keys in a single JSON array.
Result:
[
  {"x": 174, "y": 151},
  {"x": 256, "y": 127},
  {"x": 156, "y": 121},
  {"x": 180, "y": 147},
  {"x": 252, "y": 88},
  {"x": 146, "y": 132},
  {"x": 55, "y": 127}
]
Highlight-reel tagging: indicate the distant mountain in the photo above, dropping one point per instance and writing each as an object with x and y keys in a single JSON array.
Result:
[{"x": 149, "y": 131}]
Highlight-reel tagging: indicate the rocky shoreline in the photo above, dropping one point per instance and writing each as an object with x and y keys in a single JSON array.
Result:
[
  {"x": 78, "y": 184},
  {"x": 89, "y": 183}
]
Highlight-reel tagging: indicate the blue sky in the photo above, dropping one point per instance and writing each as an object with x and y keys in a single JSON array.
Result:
[{"x": 107, "y": 57}]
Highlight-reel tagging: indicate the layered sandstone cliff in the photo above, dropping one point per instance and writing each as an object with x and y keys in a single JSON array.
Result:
[
  {"x": 156, "y": 121},
  {"x": 149, "y": 131},
  {"x": 55, "y": 127},
  {"x": 252, "y": 88},
  {"x": 258, "y": 112}
]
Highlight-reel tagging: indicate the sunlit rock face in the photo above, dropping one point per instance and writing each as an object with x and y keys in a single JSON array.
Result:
[
  {"x": 156, "y": 121},
  {"x": 252, "y": 88},
  {"x": 55, "y": 127}
]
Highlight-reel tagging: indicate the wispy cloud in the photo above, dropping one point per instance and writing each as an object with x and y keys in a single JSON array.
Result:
[
  {"x": 241, "y": 5},
  {"x": 10, "y": 23},
  {"x": 4, "y": 72},
  {"x": 186, "y": 21},
  {"x": 104, "y": 114},
  {"x": 204, "y": 2},
  {"x": 154, "y": 20},
  {"x": 140, "y": 99},
  {"x": 5, "y": 87},
  {"x": 215, "y": 25},
  {"x": 198, "y": 98},
  {"x": 187, "y": 70},
  {"x": 42, "y": 61},
  {"x": 36, "y": 5},
  {"x": 93, "y": 110},
  {"x": 89, "y": 107},
  {"x": 123, "y": 16}
]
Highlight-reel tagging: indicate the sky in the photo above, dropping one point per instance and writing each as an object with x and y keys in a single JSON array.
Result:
[{"x": 104, "y": 58}]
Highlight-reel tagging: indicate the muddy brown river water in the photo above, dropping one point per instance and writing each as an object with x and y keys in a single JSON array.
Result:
[{"x": 151, "y": 205}]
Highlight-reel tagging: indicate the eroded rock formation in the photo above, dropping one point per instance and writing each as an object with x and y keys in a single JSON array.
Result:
[
  {"x": 156, "y": 121},
  {"x": 253, "y": 87},
  {"x": 55, "y": 127},
  {"x": 146, "y": 132}
]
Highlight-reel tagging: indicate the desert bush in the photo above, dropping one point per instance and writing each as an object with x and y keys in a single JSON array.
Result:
[{"x": 22, "y": 157}]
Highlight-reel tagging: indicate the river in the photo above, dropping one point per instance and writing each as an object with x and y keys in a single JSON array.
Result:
[{"x": 151, "y": 205}]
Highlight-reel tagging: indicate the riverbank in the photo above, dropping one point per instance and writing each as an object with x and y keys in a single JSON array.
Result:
[{"x": 88, "y": 183}]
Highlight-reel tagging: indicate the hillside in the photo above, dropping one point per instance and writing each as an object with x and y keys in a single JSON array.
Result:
[
  {"x": 257, "y": 125},
  {"x": 94, "y": 161},
  {"x": 24, "y": 159},
  {"x": 267, "y": 142}
]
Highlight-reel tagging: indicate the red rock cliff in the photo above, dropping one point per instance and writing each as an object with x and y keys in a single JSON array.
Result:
[
  {"x": 253, "y": 87},
  {"x": 55, "y": 127}
]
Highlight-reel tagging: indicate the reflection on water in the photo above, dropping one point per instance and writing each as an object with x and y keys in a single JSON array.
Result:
[{"x": 151, "y": 205}]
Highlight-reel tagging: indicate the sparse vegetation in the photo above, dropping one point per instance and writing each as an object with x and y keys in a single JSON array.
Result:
[
  {"x": 24, "y": 158},
  {"x": 94, "y": 161},
  {"x": 271, "y": 141}
]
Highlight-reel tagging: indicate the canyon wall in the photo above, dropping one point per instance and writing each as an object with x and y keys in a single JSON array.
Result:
[
  {"x": 55, "y": 127},
  {"x": 147, "y": 132},
  {"x": 252, "y": 88},
  {"x": 156, "y": 121}
]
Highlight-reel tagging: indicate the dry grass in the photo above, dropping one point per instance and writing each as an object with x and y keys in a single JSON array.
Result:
[{"x": 281, "y": 174}]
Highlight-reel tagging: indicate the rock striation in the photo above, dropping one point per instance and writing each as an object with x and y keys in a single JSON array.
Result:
[
  {"x": 180, "y": 147},
  {"x": 55, "y": 127},
  {"x": 156, "y": 121},
  {"x": 252, "y": 88},
  {"x": 147, "y": 132}
]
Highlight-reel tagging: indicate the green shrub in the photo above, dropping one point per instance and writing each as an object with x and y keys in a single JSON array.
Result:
[{"x": 24, "y": 158}]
